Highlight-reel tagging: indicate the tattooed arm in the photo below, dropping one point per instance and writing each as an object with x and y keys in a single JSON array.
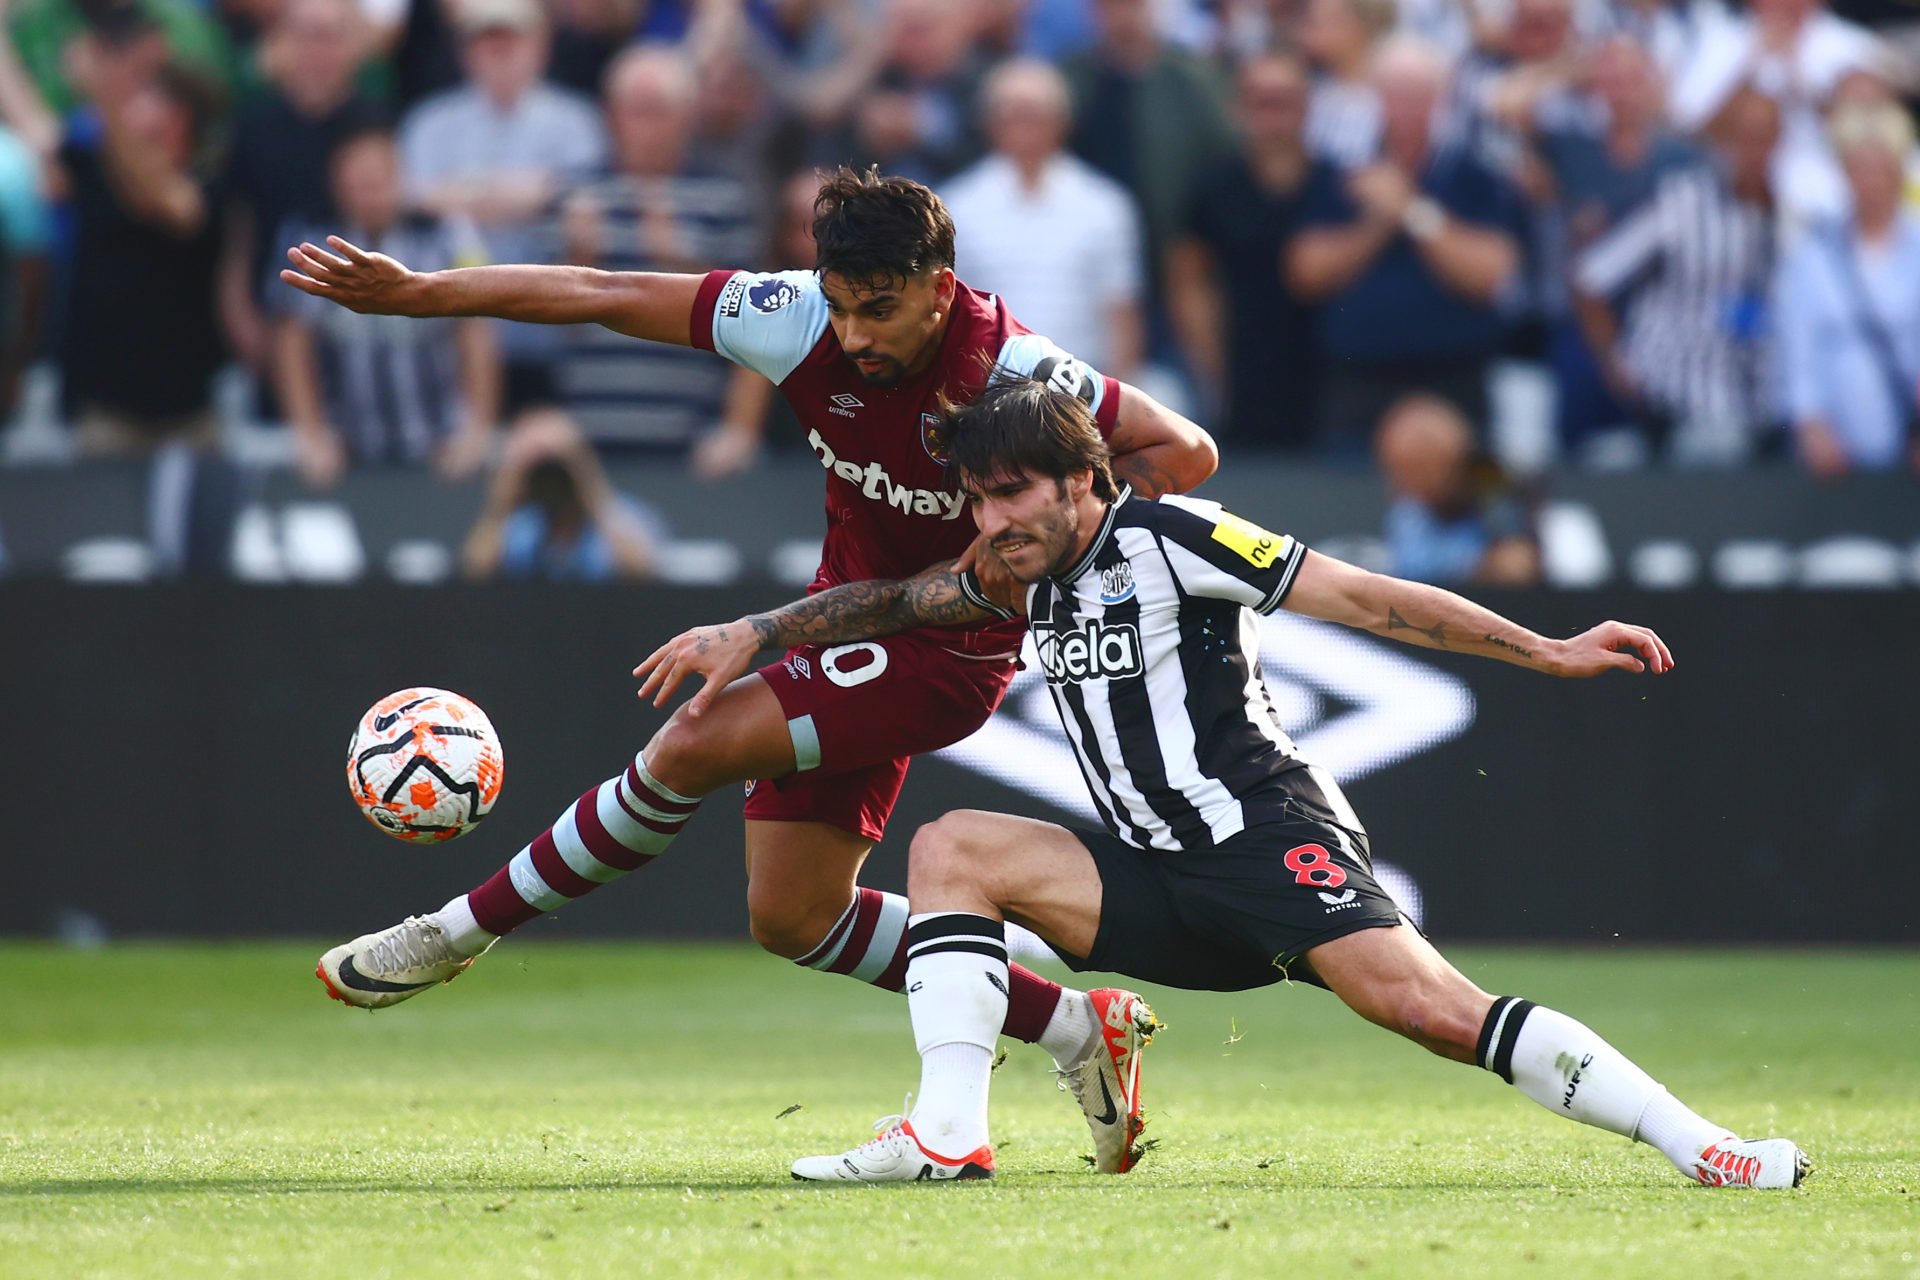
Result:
[
  {"x": 1157, "y": 450},
  {"x": 1438, "y": 619},
  {"x": 934, "y": 597}
]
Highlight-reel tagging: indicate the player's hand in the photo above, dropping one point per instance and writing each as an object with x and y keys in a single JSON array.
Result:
[
  {"x": 370, "y": 283},
  {"x": 1612, "y": 646},
  {"x": 996, "y": 580},
  {"x": 719, "y": 655}
]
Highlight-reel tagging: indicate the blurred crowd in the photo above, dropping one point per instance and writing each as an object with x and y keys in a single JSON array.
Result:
[{"x": 1464, "y": 239}]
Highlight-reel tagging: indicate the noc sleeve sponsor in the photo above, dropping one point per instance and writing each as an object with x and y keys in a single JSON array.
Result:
[{"x": 1216, "y": 553}]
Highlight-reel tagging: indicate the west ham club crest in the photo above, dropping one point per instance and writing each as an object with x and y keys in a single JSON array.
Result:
[{"x": 933, "y": 437}]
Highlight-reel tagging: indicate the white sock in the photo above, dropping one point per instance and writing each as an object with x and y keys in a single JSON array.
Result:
[
  {"x": 462, "y": 930},
  {"x": 957, "y": 994},
  {"x": 1071, "y": 1033},
  {"x": 955, "y": 1076},
  {"x": 1566, "y": 1068},
  {"x": 1677, "y": 1130}
]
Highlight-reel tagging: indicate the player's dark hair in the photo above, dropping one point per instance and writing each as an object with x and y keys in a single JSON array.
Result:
[
  {"x": 1022, "y": 425},
  {"x": 875, "y": 231}
]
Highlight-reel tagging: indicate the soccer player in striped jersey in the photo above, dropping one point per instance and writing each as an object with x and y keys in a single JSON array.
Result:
[{"x": 1229, "y": 860}]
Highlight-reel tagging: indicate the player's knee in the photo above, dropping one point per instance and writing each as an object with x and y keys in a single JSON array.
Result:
[
  {"x": 788, "y": 929},
  {"x": 946, "y": 851},
  {"x": 685, "y": 756}
]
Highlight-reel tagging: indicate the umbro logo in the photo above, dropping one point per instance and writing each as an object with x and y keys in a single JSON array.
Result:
[{"x": 844, "y": 404}]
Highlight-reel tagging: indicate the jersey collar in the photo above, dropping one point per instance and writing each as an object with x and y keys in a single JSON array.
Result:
[{"x": 1100, "y": 537}]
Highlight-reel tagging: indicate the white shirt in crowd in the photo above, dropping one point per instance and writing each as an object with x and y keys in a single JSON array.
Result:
[
  {"x": 1063, "y": 254},
  {"x": 1806, "y": 177},
  {"x": 1832, "y": 292}
]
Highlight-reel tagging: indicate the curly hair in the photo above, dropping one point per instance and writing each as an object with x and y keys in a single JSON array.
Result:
[{"x": 875, "y": 231}]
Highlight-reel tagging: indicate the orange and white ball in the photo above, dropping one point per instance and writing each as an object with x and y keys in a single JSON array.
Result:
[{"x": 425, "y": 765}]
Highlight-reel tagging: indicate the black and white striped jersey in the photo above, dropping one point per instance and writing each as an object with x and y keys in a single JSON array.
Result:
[{"x": 1150, "y": 644}]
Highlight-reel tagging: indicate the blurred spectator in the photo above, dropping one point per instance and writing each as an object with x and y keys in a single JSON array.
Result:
[
  {"x": 1452, "y": 518},
  {"x": 1410, "y": 256},
  {"x": 659, "y": 208},
  {"x": 1252, "y": 28},
  {"x": 1246, "y": 338},
  {"x": 143, "y": 33},
  {"x": 141, "y": 339},
  {"x": 383, "y": 389},
  {"x": 1794, "y": 52},
  {"x": 1599, "y": 173},
  {"x": 552, "y": 513},
  {"x": 586, "y": 36},
  {"x": 1528, "y": 82},
  {"x": 1849, "y": 308},
  {"x": 1670, "y": 32},
  {"x": 899, "y": 90},
  {"x": 25, "y": 230},
  {"x": 1592, "y": 180},
  {"x": 499, "y": 149},
  {"x": 1339, "y": 38},
  {"x": 918, "y": 118},
  {"x": 1000, "y": 28},
  {"x": 1056, "y": 238},
  {"x": 738, "y": 127},
  {"x": 1147, "y": 116},
  {"x": 1674, "y": 298},
  {"x": 793, "y": 245},
  {"x": 282, "y": 138}
]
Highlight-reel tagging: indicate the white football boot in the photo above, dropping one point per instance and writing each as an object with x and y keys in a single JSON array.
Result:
[
  {"x": 1107, "y": 1082},
  {"x": 379, "y": 969},
  {"x": 895, "y": 1156},
  {"x": 1769, "y": 1164}
]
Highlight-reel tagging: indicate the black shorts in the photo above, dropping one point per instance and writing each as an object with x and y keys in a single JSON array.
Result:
[{"x": 1236, "y": 915}]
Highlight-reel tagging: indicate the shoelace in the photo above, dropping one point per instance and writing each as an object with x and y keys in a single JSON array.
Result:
[
  {"x": 1719, "y": 1166},
  {"x": 886, "y": 1125},
  {"x": 405, "y": 947}
]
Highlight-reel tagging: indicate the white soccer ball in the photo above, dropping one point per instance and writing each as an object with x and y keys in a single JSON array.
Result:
[{"x": 425, "y": 765}]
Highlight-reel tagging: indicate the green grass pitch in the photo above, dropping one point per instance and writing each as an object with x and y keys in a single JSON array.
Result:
[{"x": 621, "y": 1111}]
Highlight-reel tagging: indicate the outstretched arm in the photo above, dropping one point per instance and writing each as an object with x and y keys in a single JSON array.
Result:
[
  {"x": 640, "y": 304},
  {"x": 1437, "y": 619},
  {"x": 934, "y": 597}
]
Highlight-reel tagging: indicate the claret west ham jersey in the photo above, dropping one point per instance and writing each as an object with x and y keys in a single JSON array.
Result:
[
  {"x": 1150, "y": 645},
  {"x": 890, "y": 510}
]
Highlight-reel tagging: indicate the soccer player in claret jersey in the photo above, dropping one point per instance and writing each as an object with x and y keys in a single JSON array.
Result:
[
  {"x": 1229, "y": 860},
  {"x": 865, "y": 348}
]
